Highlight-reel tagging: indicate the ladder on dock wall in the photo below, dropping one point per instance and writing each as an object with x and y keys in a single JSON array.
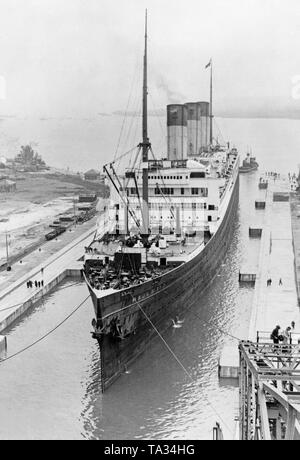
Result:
[
  {"x": 218, "y": 433},
  {"x": 269, "y": 404}
]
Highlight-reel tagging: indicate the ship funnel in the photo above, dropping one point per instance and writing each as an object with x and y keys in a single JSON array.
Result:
[
  {"x": 198, "y": 127},
  {"x": 203, "y": 126},
  {"x": 177, "y": 131}
]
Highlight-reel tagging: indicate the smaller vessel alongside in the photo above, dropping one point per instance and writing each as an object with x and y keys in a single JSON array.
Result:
[{"x": 249, "y": 164}]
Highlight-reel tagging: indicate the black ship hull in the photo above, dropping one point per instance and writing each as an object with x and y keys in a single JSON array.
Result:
[{"x": 134, "y": 311}]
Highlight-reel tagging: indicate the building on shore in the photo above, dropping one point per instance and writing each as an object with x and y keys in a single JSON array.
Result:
[{"x": 93, "y": 176}]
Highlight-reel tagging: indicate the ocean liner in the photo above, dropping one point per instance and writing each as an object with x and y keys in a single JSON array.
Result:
[{"x": 164, "y": 234}]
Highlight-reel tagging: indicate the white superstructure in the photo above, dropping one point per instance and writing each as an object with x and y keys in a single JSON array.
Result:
[{"x": 184, "y": 195}]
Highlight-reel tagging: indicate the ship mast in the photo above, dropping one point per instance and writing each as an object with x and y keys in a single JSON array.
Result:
[
  {"x": 210, "y": 106},
  {"x": 145, "y": 144},
  {"x": 6, "y": 245}
]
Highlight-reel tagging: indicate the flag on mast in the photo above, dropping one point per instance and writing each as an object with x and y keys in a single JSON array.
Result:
[{"x": 208, "y": 65}]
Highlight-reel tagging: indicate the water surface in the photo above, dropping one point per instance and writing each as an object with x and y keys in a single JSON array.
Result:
[{"x": 52, "y": 390}]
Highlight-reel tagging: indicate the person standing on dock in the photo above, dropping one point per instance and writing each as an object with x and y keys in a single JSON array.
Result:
[
  {"x": 286, "y": 339},
  {"x": 275, "y": 335},
  {"x": 280, "y": 282}
]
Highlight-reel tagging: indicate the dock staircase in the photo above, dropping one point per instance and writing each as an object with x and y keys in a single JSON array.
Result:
[{"x": 269, "y": 393}]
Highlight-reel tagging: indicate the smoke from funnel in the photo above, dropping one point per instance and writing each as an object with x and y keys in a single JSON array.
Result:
[{"x": 173, "y": 97}]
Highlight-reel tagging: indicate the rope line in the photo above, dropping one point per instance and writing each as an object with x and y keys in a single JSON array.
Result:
[
  {"x": 126, "y": 111},
  {"x": 183, "y": 367},
  {"x": 170, "y": 203},
  {"x": 45, "y": 335},
  {"x": 122, "y": 156},
  {"x": 21, "y": 303},
  {"x": 156, "y": 114},
  {"x": 217, "y": 327},
  {"x": 170, "y": 350}
]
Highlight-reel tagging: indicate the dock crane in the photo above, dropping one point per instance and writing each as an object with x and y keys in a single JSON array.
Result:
[{"x": 269, "y": 392}]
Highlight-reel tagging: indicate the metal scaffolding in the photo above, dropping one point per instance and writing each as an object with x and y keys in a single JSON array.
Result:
[{"x": 269, "y": 405}]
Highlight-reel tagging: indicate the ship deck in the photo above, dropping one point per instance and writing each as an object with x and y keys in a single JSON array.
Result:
[
  {"x": 175, "y": 251},
  {"x": 105, "y": 279}
]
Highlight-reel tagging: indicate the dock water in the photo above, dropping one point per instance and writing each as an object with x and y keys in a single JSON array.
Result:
[{"x": 15, "y": 296}]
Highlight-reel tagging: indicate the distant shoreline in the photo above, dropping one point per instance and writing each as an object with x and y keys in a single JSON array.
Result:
[{"x": 159, "y": 113}]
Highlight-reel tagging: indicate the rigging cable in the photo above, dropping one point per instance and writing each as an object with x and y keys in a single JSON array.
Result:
[
  {"x": 148, "y": 319},
  {"x": 135, "y": 115},
  {"x": 176, "y": 358},
  {"x": 121, "y": 187},
  {"x": 217, "y": 327},
  {"x": 182, "y": 366},
  {"x": 219, "y": 132},
  {"x": 131, "y": 170},
  {"x": 131, "y": 212},
  {"x": 164, "y": 184},
  {"x": 126, "y": 111},
  {"x": 45, "y": 335},
  {"x": 58, "y": 289},
  {"x": 163, "y": 138},
  {"x": 137, "y": 125},
  {"x": 121, "y": 156}
]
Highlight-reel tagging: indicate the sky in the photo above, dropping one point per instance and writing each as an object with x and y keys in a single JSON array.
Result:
[{"x": 80, "y": 58}]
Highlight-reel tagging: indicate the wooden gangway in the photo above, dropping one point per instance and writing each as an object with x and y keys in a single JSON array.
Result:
[{"x": 269, "y": 393}]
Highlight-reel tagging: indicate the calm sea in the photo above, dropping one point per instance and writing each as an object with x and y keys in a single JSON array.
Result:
[{"x": 87, "y": 143}]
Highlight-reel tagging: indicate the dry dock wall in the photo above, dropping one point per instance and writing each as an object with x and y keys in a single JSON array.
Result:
[
  {"x": 60, "y": 254},
  {"x": 19, "y": 310},
  {"x": 279, "y": 257},
  {"x": 64, "y": 263}
]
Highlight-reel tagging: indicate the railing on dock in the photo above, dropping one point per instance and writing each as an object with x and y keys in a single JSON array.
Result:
[
  {"x": 269, "y": 405},
  {"x": 265, "y": 337}
]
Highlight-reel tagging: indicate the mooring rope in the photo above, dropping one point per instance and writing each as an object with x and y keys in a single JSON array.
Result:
[{"x": 183, "y": 367}]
